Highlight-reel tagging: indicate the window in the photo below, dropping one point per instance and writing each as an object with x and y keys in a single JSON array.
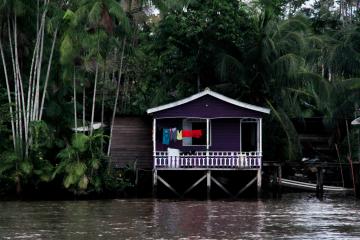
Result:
[
  {"x": 195, "y": 124},
  {"x": 248, "y": 136}
]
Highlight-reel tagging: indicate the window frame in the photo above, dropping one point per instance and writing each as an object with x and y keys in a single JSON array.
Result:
[{"x": 197, "y": 120}]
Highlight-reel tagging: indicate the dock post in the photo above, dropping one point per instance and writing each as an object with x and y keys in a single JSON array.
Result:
[
  {"x": 320, "y": 182},
  {"x": 155, "y": 178},
  {"x": 276, "y": 182},
  {"x": 208, "y": 184},
  {"x": 279, "y": 181},
  {"x": 259, "y": 182},
  {"x": 357, "y": 179}
]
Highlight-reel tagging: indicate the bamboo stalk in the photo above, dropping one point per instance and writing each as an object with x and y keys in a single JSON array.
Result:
[
  {"x": 22, "y": 113},
  {"x": 36, "y": 100},
  {"x": 31, "y": 76},
  {"x": 48, "y": 74},
  {"x": 116, "y": 96},
  {"x": 94, "y": 99},
  {"x": 8, "y": 93},
  {"x": 75, "y": 118},
  {"x": 83, "y": 112},
  {"x": 17, "y": 123},
  {"x": 37, "y": 91}
]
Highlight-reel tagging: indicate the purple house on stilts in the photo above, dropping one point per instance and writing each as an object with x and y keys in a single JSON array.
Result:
[{"x": 207, "y": 132}]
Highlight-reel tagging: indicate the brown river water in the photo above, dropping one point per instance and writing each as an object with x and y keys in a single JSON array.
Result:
[{"x": 294, "y": 216}]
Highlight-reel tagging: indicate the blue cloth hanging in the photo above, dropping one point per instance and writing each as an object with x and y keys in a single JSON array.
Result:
[{"x": 166, "y": 136}]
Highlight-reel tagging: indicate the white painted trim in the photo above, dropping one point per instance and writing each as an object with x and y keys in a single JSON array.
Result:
[
  {"x": 260, "y": 134},
  {"x": 207, "y": 134},
  {"x": 257, "y": 136},
  {"x": 213, "y": 94},
  {"x": 154, "y": 140},
  {"x": 204, "y": 118},
  {"x": 199, "y": 120},
  {"x": 240, "y": 135}
]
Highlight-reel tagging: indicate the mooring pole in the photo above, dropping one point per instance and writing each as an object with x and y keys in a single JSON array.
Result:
[
  {"x": 208, "y": 184},
  {"x": 320, "y": 182},
  {"x": 357, "y": 179},
  {"x": 279, "y": 179}
]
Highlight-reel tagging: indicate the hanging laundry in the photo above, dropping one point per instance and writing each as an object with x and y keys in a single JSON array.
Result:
[
  {"x": 186, "y": 133},
  {"x": 166, "y": 136},
  {"x": 197, "y": 133},
  {"x": 179, "y": 135},
  {"x": 173, "y": 134}
]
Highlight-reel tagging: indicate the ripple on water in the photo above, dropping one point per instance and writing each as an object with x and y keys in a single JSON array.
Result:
[{"x": 295, "y": 216}]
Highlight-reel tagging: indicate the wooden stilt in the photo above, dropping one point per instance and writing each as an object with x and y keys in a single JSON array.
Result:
[
  {"x": 246, "y": 187},
  {"x": 168, "y": 186},
  {"x": 221, "y": 186},
  {"x": 195, "y": 184},
  {"x": 259, "y": 181},
  {"x": 208, "y": 184},
  {"x": 155, "y": 183}
]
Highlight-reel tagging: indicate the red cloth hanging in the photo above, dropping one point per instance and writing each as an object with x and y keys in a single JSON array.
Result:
[
  {"x": 186, "y": 133},
  {"x": 196, "y": 133}
]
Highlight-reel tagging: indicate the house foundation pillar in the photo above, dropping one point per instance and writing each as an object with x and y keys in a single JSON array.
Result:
[
  {"x": 259, "y": 179},
  {"x": 208, "y": 184},
  {"x": 155, "y": 178}
]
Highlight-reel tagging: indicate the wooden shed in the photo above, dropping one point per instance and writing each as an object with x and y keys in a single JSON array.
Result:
[{"x": 131, "y": 142}]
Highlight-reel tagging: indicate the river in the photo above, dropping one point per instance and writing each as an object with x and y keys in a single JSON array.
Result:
[{"x": 295, "y": 216}]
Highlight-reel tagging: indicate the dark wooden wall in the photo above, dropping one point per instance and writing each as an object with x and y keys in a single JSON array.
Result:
[{"x": 132, "y": 141}]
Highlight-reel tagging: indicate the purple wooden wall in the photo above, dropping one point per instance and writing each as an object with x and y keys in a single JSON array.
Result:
[
  {"x": 225, "y": 135},
  {"x": 207, "y": 107}
]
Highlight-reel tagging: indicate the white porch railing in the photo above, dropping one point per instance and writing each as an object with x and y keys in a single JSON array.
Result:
[{"x": 211, "y": 159}]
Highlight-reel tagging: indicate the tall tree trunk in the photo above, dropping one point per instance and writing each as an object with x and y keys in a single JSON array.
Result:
[
  {"x": 17, "y": 117},
  {"x": 48, "y": 74},
  {"x": 8, "y": 94},
  {"x": 75, "y": 111},
  {"x": 116, "y": 96},
  {"x": 94, "y": 100},
  {"x": 83, "y": 103}
]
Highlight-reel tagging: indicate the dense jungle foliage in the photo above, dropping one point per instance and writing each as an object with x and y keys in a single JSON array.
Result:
[{"x": 67, "y": 64}]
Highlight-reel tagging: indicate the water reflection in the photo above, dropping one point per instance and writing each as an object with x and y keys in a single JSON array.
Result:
[{"x": 295, "y": 216}]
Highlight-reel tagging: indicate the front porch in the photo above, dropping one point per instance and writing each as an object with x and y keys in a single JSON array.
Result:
[{"x": 208, "y": 160}]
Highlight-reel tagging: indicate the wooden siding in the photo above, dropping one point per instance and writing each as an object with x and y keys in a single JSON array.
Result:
[
  {"x": 225, "y": 135},
  {"x": 132, "y": 141}
]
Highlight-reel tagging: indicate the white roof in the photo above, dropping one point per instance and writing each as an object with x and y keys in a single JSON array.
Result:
[
  {"x": 213, "y": 94},
  {"x": 356, "y": 121}
]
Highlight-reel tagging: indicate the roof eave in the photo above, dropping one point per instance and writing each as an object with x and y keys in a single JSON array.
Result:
[{"x": 213, "y": 94}]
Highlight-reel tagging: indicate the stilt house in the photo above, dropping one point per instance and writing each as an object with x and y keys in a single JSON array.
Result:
[{"x": 207, "y": 131}]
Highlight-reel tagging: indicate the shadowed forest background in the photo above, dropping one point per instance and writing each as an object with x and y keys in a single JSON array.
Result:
[{"x": 66, "y": 65}]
